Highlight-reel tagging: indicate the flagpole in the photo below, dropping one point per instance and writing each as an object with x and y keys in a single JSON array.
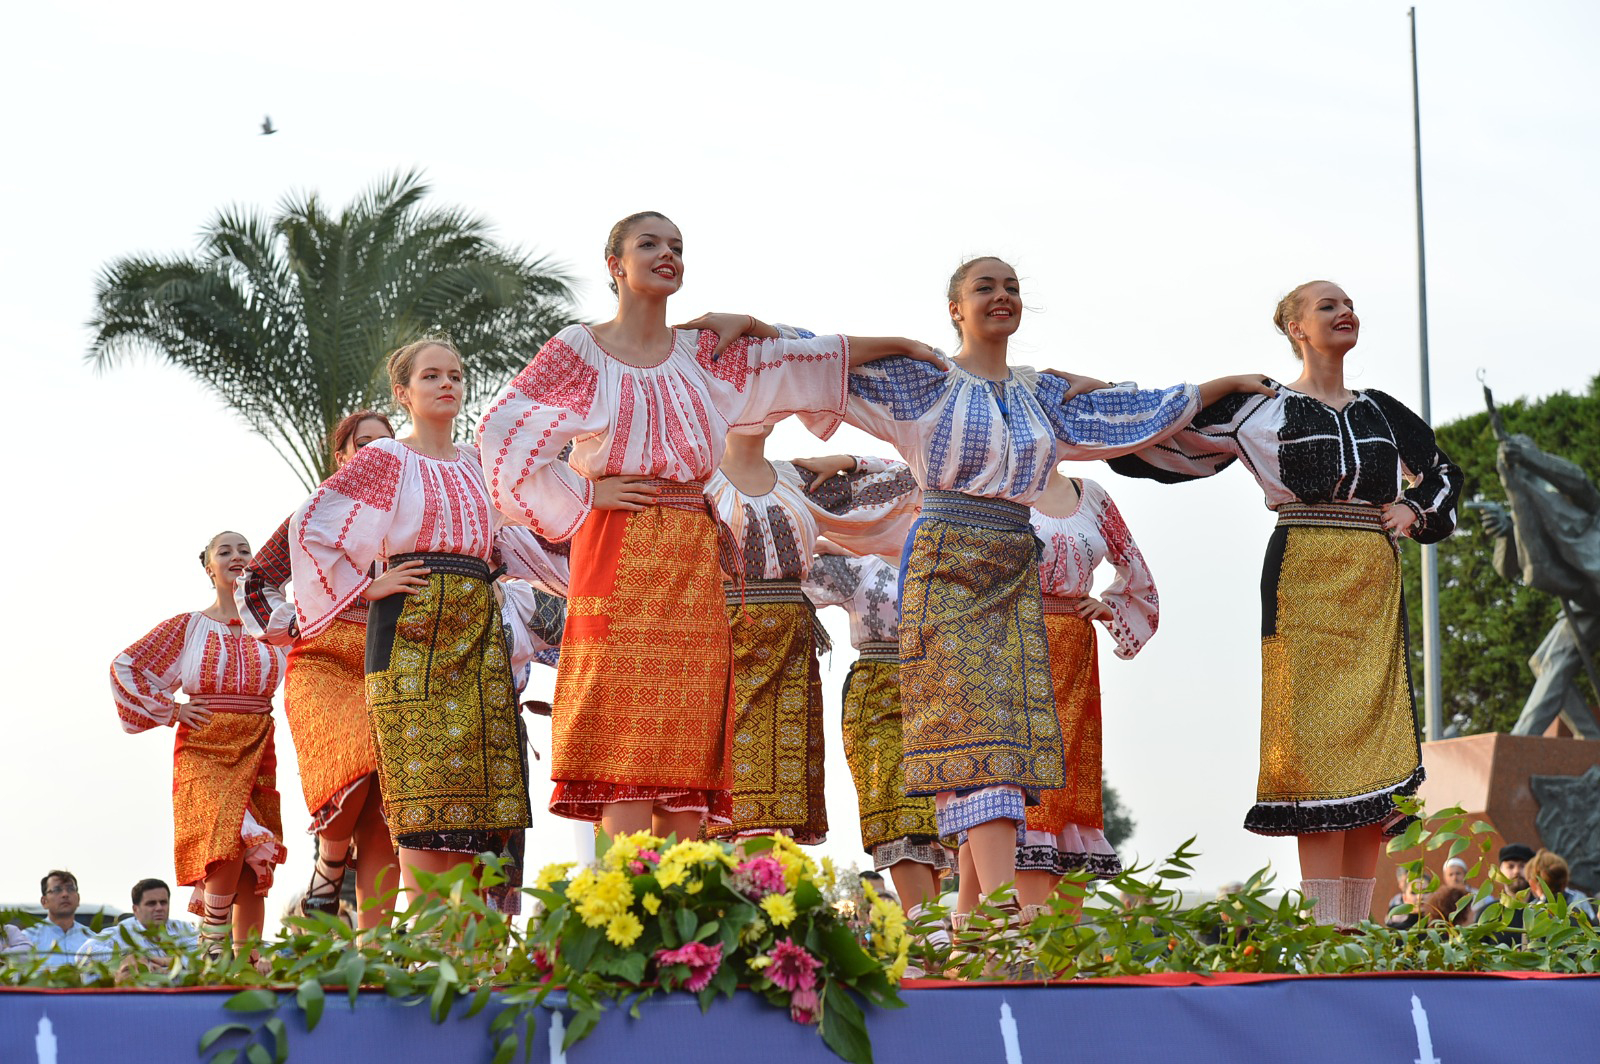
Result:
[{"x": 1432, "y": 667}]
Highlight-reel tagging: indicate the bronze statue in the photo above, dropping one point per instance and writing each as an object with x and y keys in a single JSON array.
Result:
[{"x": 1549, "y": 538}]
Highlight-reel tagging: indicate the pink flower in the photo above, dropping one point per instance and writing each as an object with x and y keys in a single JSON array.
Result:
[
  {"x": 803, "y": 1005},
  {"x": 636, "y": 867},
  {"x": 702, "y": 960},
  {"x": 760, "y": 876},
  {"x": 792, "y": 968},
  {"x": 650, "y": 855}
]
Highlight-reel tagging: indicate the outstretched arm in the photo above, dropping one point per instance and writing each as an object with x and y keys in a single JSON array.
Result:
[{"x": 863, "y": 349}]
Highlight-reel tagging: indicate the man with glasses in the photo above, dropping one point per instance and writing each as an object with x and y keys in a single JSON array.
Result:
[{"x": 59, "y": 937}]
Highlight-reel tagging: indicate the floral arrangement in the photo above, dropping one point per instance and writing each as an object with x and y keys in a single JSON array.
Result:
[{"x": 706, "y": 917}]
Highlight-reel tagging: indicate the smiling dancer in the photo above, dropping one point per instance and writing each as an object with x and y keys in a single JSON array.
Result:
[
  {"x": 981, "y": 729},
  {"x": 863, "y": 504},
  {"x": 325, "y": 701},
  {"x": 440, "y": 697},
  {"x": 641, "y": 723},
  {"x": 1338, "y": 726},
  {"x": 227, "y": 827}
]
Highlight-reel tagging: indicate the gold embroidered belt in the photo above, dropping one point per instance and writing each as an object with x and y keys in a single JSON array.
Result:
[
  {"x": 238, "y": 703},
  {"x": 879, "y": 650},
  {"x": 1062, "y": 603}
]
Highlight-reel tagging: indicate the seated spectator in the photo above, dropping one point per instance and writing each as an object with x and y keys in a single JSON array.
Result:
[
  {"x": 59, "y": 936},
  {"x": 1440, "y": 906},
  {"x": 1455, "y": 874},
  {"x": 1514, "y": 898},
  {"x": 1401, "y": 878},
  {"x": 148, "y": 932},
  {"x": 1415, "y": 892},
  {"x": 1513, "y": 856},
  {"x": 1549, "y": 870},
  {"x": 13, "y": 941}
]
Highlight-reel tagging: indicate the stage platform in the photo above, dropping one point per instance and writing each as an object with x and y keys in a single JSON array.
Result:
[{"x": 1380, "y": 1019}]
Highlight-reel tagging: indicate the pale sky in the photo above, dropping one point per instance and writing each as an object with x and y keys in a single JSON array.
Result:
[{"x": 1159, "y": 173}]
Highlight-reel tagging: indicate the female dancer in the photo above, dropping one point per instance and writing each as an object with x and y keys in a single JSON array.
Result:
[
  {"x": 980, "y": 722},
  {"x": 1338, "y": 727},
  {"x": 863, "y": 504},
  {"x": 227, "y": 830},
  {"x": 451, "y": 768},
  {"x": 1080, "y": 527},
  {"x": 899, "y": 832},
  {"x": 640, "y": 732},
  {"x": 325, "y": 700}
]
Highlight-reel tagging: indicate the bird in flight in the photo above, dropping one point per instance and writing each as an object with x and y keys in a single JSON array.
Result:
[{"x": 267, "y": 128}]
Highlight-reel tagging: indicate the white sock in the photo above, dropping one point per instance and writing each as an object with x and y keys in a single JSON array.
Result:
[
  {"x": 1325, "y": 896},
  {"x": 1358, "y": 900}
]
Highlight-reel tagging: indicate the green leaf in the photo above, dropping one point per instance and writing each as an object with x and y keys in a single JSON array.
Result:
[
  {"x": 707, "y": 930},
  {"x": 256, "y": 999},
  {"x": 310, "y": 997},
  {"x": 280, "y": 1039},
  {"x": 581, "y": 949},
  {"x": 583, "y": 1021},
  {"x": 686, "y": 923},
  {"x": 209, "y": 1039},
  {"x": 227, "y": 1056},
  {"x": 846, "y": 953},
  {"x": 257, "y": 1053},
  {"x": 844, "y": 1028},
  {"x": 806, "y": 895}
]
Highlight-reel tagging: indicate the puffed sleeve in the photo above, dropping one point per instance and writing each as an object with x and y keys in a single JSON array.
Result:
[
  {"x": 1111, "y": 421},
  {"x": 762, "y": 381},
  {"x": 832, "y": 579},
  {"x": 145, "y": 676},
  {"x": 529, "y": 558},
  {"x": 868, "y": 511},
  {"x": 1203, "y": 448},
  {"x": 338, "y": 533},
  {"x": 888, "y": 397},
  {"x": 522, "y": 434},
  {"x": 534, "y": 621},
  {"x": 265, "y": 612},
  {"x": 1436, "y": 487},
  {"x": 1131, "y": 597}
]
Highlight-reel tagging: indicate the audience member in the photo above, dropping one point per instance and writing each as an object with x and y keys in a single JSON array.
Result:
[
  {"x": 1400, "y": 880},
  {"x": 1440, "y": 905},
  {"x": 13, "y": 940},
  {"x": 59, "y": 936},
  {"x": 152, "y": 902},
  {"x": 1513, "y": 856},
  {"x": 1455, "y": 874},
  {"x": 1550, "y": 870},
  {"x": 1414, "y": 893}
]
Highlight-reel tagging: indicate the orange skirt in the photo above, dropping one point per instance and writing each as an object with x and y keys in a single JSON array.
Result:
[
  {"x": 1075, "y": 675},
  {"x": 225, "y": 799},
  {"x": 325, "y": 700},
  {"x": 643, "y": 700}
]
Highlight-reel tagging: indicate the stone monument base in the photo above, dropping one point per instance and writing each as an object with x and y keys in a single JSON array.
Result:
[{"x": 1530, "y": 789}]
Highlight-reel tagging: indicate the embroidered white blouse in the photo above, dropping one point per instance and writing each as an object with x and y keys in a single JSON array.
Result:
[
  {"x": 666, "y": 421},
  {"x": 867, "y": 588},
  {"x": 1372, "y": 451},
  {"x": 1000, "y": 439},
  {"x": 869, "y": 510},
  {"x": 1076, "y": 544},
  {"x": 196, "y": 655}
]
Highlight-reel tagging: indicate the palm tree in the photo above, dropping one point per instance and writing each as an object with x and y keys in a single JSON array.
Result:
[{"x": 288, "y": 319}]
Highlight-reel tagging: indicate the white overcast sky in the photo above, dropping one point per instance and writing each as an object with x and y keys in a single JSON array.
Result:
[{"x": 1160, "y": 173}]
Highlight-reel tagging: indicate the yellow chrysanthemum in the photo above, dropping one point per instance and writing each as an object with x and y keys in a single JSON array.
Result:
[
  {"x": 759, "y": 961},
  {"x": 752, "y": 931},
  {"x": 671, "y": 875},
  {"x": 580, "y": 885},
  {"x": 830, "y": 876},
  {"x": 651, "y": 903},
  {"x": 779, "y": 909},
  {"x": 624, "y": 929},
  {"x": 551, "y": 874},
  {"x": 694, "y": 888},
  {"x": 898, "y": 968}
]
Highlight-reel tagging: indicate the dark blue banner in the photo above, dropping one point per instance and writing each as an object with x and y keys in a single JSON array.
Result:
[{"x": 1380, "y": 1020}]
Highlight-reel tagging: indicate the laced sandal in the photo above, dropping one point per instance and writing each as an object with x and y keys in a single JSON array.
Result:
[{"x": 327, "y": 882}]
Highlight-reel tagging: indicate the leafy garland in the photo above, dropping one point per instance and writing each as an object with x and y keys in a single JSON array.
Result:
[{"x": 652, "y": 917}]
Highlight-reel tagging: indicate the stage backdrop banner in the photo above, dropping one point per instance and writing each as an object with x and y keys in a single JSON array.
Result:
[{"x": 1376, "y": 1020}]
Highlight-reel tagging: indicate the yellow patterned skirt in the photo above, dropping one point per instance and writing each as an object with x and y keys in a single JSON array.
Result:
[
  {"x": 1338, "y": 723},
  {"x": 873, "y": 744},
  {"x": 975, "y": 665},
  {"x": 643, "y": 698},
  {"x": 777, "y": 722},
  {"x": 325, "y": 701},
  {"x": 224, "y": 795},
  {"x": 443, "y": 712}
]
